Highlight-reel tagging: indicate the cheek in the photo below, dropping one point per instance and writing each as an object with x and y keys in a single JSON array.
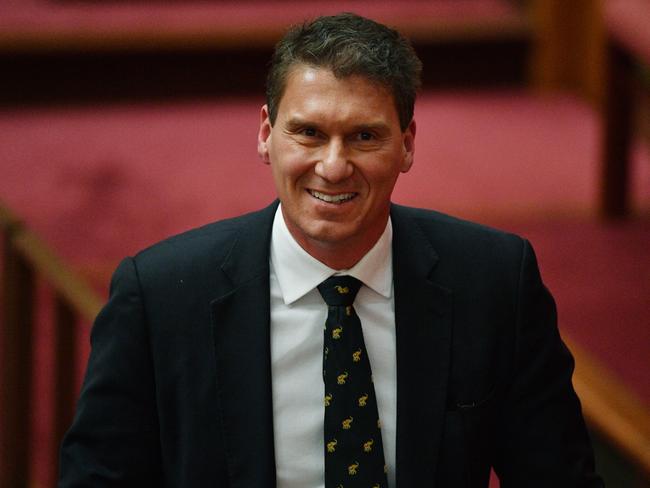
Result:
[
  {"x": 381, "y": 177},
  {"x": 287, "y": 175},
  {"x": 290, "y": 163}
]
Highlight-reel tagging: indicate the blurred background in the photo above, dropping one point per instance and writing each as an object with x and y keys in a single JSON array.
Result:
[{"x": 122, "y": 122}]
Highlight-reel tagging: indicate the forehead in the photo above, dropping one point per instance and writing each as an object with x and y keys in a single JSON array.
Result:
[{"x": 313, "y": 90}]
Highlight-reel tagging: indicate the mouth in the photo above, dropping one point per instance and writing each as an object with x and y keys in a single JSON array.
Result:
[{"x": 338, "y": 198}]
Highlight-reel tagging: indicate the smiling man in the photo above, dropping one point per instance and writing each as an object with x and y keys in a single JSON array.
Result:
[
  {"x": 336, "y": 148},
  {"x": 333, "y": 339}
]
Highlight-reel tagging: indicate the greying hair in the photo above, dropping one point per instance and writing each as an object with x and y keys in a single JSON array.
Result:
[{"x": 348, "y": 44}]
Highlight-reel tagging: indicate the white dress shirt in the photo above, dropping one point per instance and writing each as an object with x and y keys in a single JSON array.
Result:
[{"x": 298, "y": 313}]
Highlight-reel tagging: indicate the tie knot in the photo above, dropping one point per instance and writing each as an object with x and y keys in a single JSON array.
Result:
[{"x": 339, "y": 290}]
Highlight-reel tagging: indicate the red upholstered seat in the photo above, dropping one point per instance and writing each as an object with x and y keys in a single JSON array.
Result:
[{"x": 33, "y": 23}]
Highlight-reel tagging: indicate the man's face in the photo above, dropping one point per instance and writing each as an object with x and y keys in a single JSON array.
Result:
[{"x": 335, "y": 150}]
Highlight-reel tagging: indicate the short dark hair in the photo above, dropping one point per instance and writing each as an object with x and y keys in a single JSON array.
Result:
[{"x": 348, "y": 44}]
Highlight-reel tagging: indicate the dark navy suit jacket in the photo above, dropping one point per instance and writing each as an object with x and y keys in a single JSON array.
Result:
[{"x": 178, "y": 387}]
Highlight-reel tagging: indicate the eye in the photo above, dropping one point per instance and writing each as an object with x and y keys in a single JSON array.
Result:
[
  {"x": 366, "y": 136},
  {"x": 309, "y": 132}
]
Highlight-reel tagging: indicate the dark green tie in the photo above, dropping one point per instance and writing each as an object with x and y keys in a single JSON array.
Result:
[{"x": 354, "y": 452}]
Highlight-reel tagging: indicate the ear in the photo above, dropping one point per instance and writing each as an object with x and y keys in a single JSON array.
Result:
[
  {"x": 408, "y": 141},
  {"x": 263, "y": 135}
]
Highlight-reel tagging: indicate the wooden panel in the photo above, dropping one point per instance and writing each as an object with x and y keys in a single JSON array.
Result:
[
  {"x": 618, "y": 125},
  {"x": 569, "y": 47}
]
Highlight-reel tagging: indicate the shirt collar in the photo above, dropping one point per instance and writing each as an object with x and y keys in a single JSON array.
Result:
[{"x": 298, "y": 272}]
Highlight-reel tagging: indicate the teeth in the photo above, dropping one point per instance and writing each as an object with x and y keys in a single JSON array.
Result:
[{"x": 341, "y": 197}]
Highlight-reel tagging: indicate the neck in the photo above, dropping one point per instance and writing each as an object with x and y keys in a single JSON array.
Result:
[
  {"x": 339, "y": 255},
  {"x": 334, "y": 259}
]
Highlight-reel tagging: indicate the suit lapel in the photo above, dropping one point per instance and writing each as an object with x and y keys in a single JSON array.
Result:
[
  {"x": 423, "y": 326},
  {"x": 241, "y": 315}
]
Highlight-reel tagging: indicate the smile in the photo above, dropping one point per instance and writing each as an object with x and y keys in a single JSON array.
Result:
[{"x": 340, "y": 198}]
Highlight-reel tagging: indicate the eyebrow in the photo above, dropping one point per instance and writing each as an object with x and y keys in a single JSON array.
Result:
[
  {"x": 297, "y": 122},
  {"x": 377, "y": 126}
]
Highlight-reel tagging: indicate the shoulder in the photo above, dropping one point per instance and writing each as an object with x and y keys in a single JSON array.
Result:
[
  {"x": 467, "y": 255},
  {"x": 452, "y": 235},
  {"x": 205, "y": 247}
]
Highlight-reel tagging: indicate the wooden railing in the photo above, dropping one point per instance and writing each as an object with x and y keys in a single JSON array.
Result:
[
  {"x": 610, "y": 408},
  {"x": 26, "y": 259}
]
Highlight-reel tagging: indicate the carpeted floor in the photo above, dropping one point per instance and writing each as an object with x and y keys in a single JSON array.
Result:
[{"x": 98, "y": 184}]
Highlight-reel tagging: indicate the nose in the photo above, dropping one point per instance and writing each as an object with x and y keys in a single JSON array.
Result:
[{"x": 334, "y": 166}]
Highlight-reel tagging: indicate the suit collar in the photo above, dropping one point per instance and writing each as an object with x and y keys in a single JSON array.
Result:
[
  {"x": 248, "y": 257},
  {"x": 423, "y": 329}
]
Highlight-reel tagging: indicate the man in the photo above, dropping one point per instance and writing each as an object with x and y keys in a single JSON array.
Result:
[{"x": 210, "y": 364}]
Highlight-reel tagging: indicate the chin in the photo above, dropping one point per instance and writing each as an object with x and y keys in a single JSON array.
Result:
[{"x": 329, "y": 233}]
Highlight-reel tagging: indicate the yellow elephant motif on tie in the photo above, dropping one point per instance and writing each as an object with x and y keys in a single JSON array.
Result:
[
  {"x": 348, "y": 310},
  {"x": 356, "y": 356},
  {"x": 336, "y": 333},
  {"x": 367, "y": 446},
  {"x": 352, "y": 469},
  {"x": 342, "y": 289},
  {"x": 347, "y": 423},
  {"x": 376, "y": 485},
  {"x": 340, "y": 379},
  {"x": 331, "y": 446},
  {"x": 328, "y": 400},
  {"x": 363, "y": 400}
]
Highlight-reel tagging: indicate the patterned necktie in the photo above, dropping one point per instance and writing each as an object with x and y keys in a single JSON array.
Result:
[{"x": 354, "y": 453}]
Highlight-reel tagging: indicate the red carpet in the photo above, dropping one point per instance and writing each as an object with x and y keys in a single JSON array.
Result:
[{"x": 99, "y": 184}]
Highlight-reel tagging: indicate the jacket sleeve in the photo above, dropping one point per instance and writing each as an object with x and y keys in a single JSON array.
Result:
[
  {"x": 114, "y": 438},
  {"x": 544, "y": 440}
]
